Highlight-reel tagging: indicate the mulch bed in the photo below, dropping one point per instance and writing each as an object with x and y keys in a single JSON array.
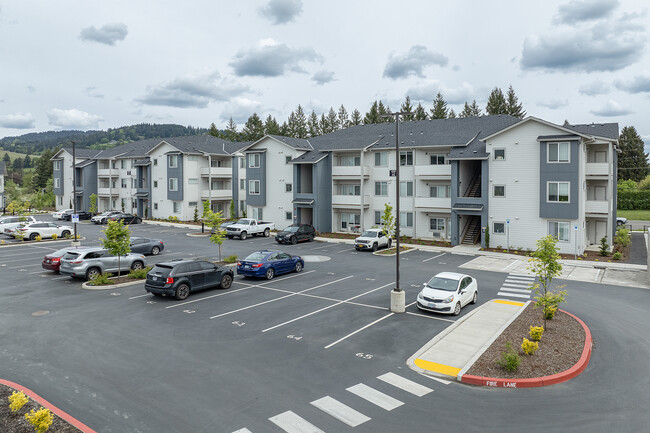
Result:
[
  {"x": 11, "y": 422},
  {"x": 593, "y": 256},
  {"x": 559, "y": 349}
]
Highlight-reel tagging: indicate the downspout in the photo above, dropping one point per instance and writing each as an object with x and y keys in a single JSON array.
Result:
[
  {"x": 361, "y": 166},
  {"x": 210, "y": 180}
]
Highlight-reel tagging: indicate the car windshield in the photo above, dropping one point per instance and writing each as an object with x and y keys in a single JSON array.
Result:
[
  {"x": 369, "y": 234},
  {"x": 70, "y": 255},
  {"x": 291, "y": 229},
  {"x": 256, "y": 257},
  {"x": 244, "y": 222},
  {"x": 446, "y": 284}
]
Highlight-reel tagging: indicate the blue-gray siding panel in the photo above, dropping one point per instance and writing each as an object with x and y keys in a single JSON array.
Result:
[
  {"x": 559, "y": 172},
  {"x": 58, "y": 174},
  {"x": 177, "y": 173},
  {"x": 235, "y": 185},
  {"x": 258, "y": 173}
]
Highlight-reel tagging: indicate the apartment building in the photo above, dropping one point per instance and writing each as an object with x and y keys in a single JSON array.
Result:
[
  {"x": 3, "y": 173},
  {"x": 85, "y": 174}
]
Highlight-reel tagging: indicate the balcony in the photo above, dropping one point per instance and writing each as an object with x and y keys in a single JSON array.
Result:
[
  {"x": 108, "y": 172},
  {"x": 217, "y": 194},
  {"x": 433, "y": 203},
  {"x": 347, "y": 172},
  {"x": 350, "y": 201},
  {"x": 216, "y": 172},
  {"x": 597, "y": 169},
  {"x": 107, "y": 192},
  {"x": 441, "y": 172},
  {"x": 597, "y": 206}
]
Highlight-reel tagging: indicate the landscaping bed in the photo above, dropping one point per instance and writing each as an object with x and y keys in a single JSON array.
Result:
[{"x": 593, "y": 256}]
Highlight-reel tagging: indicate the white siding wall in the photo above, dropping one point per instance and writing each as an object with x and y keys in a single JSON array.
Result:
[
  {"x": 159, "y": 173},
  {"x": 66, "y": 166}
]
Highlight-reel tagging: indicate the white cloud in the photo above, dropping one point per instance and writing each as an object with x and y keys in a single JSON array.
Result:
[
  {"x": 413, "y": 62},
  {"x": 108, "y": 34},
  {"x": 281, "y": 11},
  {"x": 638, "y": 84},
  {"x": 554, "y": 104},
  {"x": 18, "y": 121},
  {"x": 272, "y": 60},
  {"x": 585, "y": 10},
  {"x": 594, "y": 88},
  {"x": 323, "y": 77},
  {"x": 73, "y": 119},
  {"x": 611, "y": 109},
  {"x": 240, "y": 109},
  {"x": 453, "y": 95}
]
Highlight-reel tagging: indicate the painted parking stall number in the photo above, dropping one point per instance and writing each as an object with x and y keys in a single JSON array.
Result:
[
  {"x": 294, "y": 337},
  {"x": 363, "y": 355},
  {"x": 237, "y": 323}
]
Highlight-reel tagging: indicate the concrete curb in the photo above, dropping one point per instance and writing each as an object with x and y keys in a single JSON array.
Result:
[
  {"x": 564, "y": 376},
  {"x": 46, "y": 404},
  {"x": 46, "y": 241},
  {"x": 379, "y": 253},
  {"x": 111, "y": 286}
]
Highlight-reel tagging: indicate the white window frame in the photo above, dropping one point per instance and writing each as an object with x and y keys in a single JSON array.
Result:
[
  {"x": 406, "y": 219},
  {"x": 288, "y": 215},
  {"x": 57, "y": 182},
  {"x": 346, "y": 188},
  {"x": 502, "y": 158},
  {"x": 436, "y": 157},
  {"x": 288, "y": 187},
  {"x": 406, "y": 155},
  {"x": 287, "y": 159},
  {"x": 192, "y": 157},
  {"x": 350, "y": 218},
  {"x": 378, "y": 217},
  {"x": 558, "y": 183},
  {"x": 155, "y": 184},
  {"x": 254, "y": 187},
  {"x": 494, "y": 191},
  {"x": 494, "y": 228},
  {"x": 172, "y": 161},
  {"x": 349, "y": 161},
  {"x": 123, "y": 182},
  {"x": 176, "y": 207},
  {"x": 193, "y": 181},
  {"x": 434, "y": 224},
  {"x": 404, "y": 188},
  {"x": 173, "y": 184},
  {"x": 558, "y": 159},
  {"x": 193, "y": 204},
  {"x": 381, "y": 159},
  {"x": 556, "y": 228},
  {"x": 242, "y": 183},
  {"x": 254, "y": 160},
  {"x": 382, "y": 186},
  {"x": 57, "y": 165},
  {"x": 445, "y": 188}
]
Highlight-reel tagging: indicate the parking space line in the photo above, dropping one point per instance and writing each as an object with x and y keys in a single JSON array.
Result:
[
  {"x": 347, "y": 250},
  {"x": 24, "y": 266},
  {"x": 434, "y": 257},
  {"x": 60, "y": 278},
  {"x": 326, "y": 308},
  {"x": 326, "y": 246},
  {"x": 209, "y": 297},
  {"x": 140, "y": 296},
  {"x": 325, "y": 298},
  {"x": 280, "y": 298},
  {"x": 358, "y": 330},
  {"x": 429, "y": 317}
]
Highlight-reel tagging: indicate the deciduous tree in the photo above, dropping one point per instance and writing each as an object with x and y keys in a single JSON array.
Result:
[{"x": 117, "y": 241}]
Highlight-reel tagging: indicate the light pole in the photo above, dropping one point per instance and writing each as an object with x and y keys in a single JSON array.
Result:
[
  {"x": 75, "y": 242},
  {"x": 397, "y": 295}
]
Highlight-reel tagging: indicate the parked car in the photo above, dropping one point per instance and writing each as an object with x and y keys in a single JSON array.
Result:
[
  {"x": 146, "y": 246},
  {"x": 447, "y": 293},
  {"x": 90, "y": 262},
  {"x": 83, "y": 215},
  {"x": 45, "y": 230},
  {"x": 179, "y": 278},
  {"x": 621, "y": 221},
  {"x": 57, "y": 215},
  {"x": 52, "y": 261},
  {"x": 8, "y": 224},
  {"x": 268, "y": 264},
  {"x": 296, "y": 233},
  {"x": 248, "y": 226},
  {"x": 126, "y": 218},
  {"x": 372, "y": 239},
  {"x": 102, "y": 218},
  {"x": 223, "y": 226}
]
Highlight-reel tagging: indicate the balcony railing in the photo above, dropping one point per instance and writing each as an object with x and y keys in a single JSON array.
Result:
[
  {"x": 350, "y": 200},
  {"x": 217, "y": 194},
  {"x": 596, "y": 169},
  {"x": 108, "y": 172},
  {"x": 597, "y": 206},
  {"x": 433, "y": 203},
  {"x": 442, "y": 171},
  {"x": 350, "y": 172},
  {"x": 216, "y": 172},
  {"x": 107, "y": 191}
]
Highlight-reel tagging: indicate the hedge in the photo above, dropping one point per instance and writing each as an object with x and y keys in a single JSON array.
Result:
[{"x": 634, "y": 200}]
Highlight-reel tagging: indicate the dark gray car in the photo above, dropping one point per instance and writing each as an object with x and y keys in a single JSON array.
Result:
[{"x": 146, "y": 246}]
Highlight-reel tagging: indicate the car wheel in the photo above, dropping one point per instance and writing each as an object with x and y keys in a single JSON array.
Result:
[
  {"x": 136, "y": 266},
  {"x": 33, "y": 236},
  {"x": 298, "y": 267},
  {"x": 138, "y": 221},
  {"x": 267, "y": 233},
  {"x": 155, "y": 251},
  {"x": 374, "y": 247},
  {"x": 92, "y": 273},
  {"x": 243, "y": 236},
  {"x": 294, "y": 240},
  {"x": 475, "y": 298},
  {"x": 65, "y": 233},
  {"x": 270, "y": 273},
  {"x": 390, "y": 243},
  {"x": 311, "y": 238},
  {"x": 457, "y": 309},
  {"x": 358, "y": 249},
  {"x": 182, "y": 292},
  {"x": 226, "y": 281}
]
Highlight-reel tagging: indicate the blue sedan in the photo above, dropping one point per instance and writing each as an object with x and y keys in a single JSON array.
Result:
[{"x": 268, "y": 264}]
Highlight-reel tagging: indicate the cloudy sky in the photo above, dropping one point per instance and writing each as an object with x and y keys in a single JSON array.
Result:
[{"x": 79, "y": 64}]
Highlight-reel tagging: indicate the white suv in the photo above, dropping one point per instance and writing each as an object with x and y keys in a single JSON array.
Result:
[
  {"x": 8, "y": 224},
  {"x": 43, "y": 229},
  {"x": 372, "y": 239}
]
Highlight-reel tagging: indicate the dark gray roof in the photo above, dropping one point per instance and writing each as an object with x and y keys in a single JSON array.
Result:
[
  {"x": 82, "y": 153},
  {"x": 606, "y": 130},
  {"x": 296, "y": 143},
  {"x": 3, "y": 169},
  {"x": 204, "y": 143},
  {"x": 474, "y": 150},
  {"x": 310, "y": 157},
  {"x": 84, "y": 163},
  {"x": 354, "y": 137},
  {"x": 135, "y": 149}
]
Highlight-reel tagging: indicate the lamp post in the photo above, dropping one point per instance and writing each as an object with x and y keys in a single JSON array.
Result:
[
  {"x": 75, "y": 242},
  {"x": 397, "y": 295}
]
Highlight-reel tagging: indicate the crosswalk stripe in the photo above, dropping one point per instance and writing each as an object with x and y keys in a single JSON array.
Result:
[
  {"x": 521, "y": 275},
  {"x": 507, "y": 283},
  {"x": 516, "y": 295},
  {"x": 378, "y": 398},
  {"x": 508, "y": 289},
  {"x": 340, "y": 411},
  {"x": 242, "y": 430},
  {"x": 292, "y": 423},
  {"x": 405, "y": 384},
  {"x": 517, "y": 277}
]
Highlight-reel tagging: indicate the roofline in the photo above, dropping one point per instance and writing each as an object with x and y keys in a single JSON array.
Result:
[
  {"x": 544, "y": 122},
  {"x": 161, "y": 142},
  {"x": 245, "y": 148}
]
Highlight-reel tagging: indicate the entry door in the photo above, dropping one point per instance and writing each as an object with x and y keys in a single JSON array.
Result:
[{"x": 601, "y": 230}]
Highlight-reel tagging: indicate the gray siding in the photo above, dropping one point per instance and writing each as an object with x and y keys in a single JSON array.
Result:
[
  {"x": 321, "y": 173},
  {"x": 560, "y": 172},
  {"x": 178, "y": 174},
  {"x": 89, "y": 176},
  {"x": 235, "y": 184},
  {"x": 258, "y": 173},
  {"x": 58, "y": 174}
]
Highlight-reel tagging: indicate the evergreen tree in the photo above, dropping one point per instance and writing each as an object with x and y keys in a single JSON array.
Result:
[
  {"x": 333, "y": 120},
  {"x": 324, "y": 125},
  {"x": 231, "y": 133},
  {"x": 513, "y": 106},
  {"x": 467, "y": 111},
  {"x": 632, "y": 161},
  {"x": 27, "y": 162},
  {"x": 420, "y": 113},
  {"x": 496, "y": 103},
  {"x": 284, "y": 131},
  {"x": 383, "y": 110},
  {"x": 372, "y": 116},
  {"x": 6, "y": 158},
  {"x": 271, "y": 126},
  {"x": 439, "y": 110},
  {"x": 344, "y": 121},
  {"x": 476, "y": 110},
  {"x": 356, "y": 118},
  {"x": 407, "y": 108},
  {"x": 253, "y": 129},
  {"x": 291, "y": 125},
  {"x": 312, "y": 125},
  {"x": 214, "y": 131},
  {"x": 300, "y": 123},
  {"x": 452, "y": 114},
  {"x": 17, "y": 165}
]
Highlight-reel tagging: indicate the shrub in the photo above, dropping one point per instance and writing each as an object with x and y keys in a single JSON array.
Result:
[
  {"x": 54, "y": 236},
  {"x": 622, "y": 238},
  {"x": 139, "y": 273},
  {"x": 18, "y": 236},
  {"x": 40, "y": 419},
  {"x": 39, "y": 238},
  {"x": 536, "y": 332},
  {"x": 17, "y": 400},
  {"x": 549, "y": 312},
  {"x": 617, "y": 255},
  {"x": 499, "y": 247},
  {"x": 529, "y": 347},
  {"x": 230, "y": 259},
  {"x": 68, "y": 236},
  {"x": 101, "y": 280},
  {"x": 604, "y": 247},
  {"x": 510, "y": 359},
  {"x": 196, "y": 214}
]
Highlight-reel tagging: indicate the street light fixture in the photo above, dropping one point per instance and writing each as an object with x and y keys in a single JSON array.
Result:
[{"x": 75, "y": 242}]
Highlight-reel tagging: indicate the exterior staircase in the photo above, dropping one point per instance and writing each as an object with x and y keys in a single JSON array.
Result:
[
  {"x": 474, "y": 189},
  {"x": 473, "y": 232}
]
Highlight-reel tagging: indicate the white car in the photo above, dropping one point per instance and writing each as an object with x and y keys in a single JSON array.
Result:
[
  {"x": 8, "y": 224},
  {"x": 447, "y": 293},
  {"x": 57, "y": 215},
  {"x": 44, "y": 230},
  {"x": 372, "y": 239},
  {"x": 621, "y": 221}
]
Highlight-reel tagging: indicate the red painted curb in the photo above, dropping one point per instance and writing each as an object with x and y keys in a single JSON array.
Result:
[
  {"x": 46, "y": 404},
  {"x": 539, "y": 381}
]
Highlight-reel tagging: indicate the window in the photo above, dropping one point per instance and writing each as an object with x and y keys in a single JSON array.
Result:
[
  {"x": 406, "y": 219},
  {"x": 349, "y": 161},
  {"x": 257, "y": 213},
  {"x": 498, "y": 228},
  {"x": 60, "y": 200},
  {"x": 173, "y": 161},
  {"x": 57, "y": 182},
  {"x": 559, "y": 229},
  {"x": 558, "y": 192},
  {"x": 381, "y": 159},
  {"x": 155, "y": 184},
  {"x": 177, "y": 206},
  {"x": 173, "y": 184},
  {"x": 437, "y": 224},
  {"x": 242, "y": 206},
  {"x": 406, "y": 189},
  {"x": 113, "y": 183},
  {"x": 558, "y": 152},
  {"x": 193, "y": 204},
  {"x": 287, "y": 159},
  {"x": 377, "y": 217},
  {"x": 437, "y": 159},
  {"x": 218, "y": 184},
  {"x": 499, "y": 191},
  {"x": 439, "y": 191},
  {"x": 254, "y": 187},
  {"x": 254, "y": 160},
  {"x": 193, "y": 181},
  {"x": 192, "y": 158},
  {"x": 381, "y": 188},
  {"x": 123, "y": 164},
  {"x": 349, "y": 189},
  {"x": 155, "y": 161},
  {"x": 57, "y": 165},
  {"x": 287, "y": 187},
  {"x": 123, "y": 182},
  {"x": 242, "y": 162},
  {"x": 113, "y": 204},
  {"x": 216, "y": 163},
  {"x": 350, "y": 220},
  {"x": 499, "y": 154},
  {"x": 288, "y": 215},
  {"x": 155, "y": 206},
  {"x": 406, "y": 157}
]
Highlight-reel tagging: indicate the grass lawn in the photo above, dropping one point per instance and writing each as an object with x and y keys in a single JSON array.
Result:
[
  {"x": 641, "y": 215},
  {"x": 13, "y": 155}
]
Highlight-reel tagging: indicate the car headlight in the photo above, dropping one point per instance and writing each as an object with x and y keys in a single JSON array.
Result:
[
  {"x": 448, "y": 299},
  {"x": 420, "y": 296}
]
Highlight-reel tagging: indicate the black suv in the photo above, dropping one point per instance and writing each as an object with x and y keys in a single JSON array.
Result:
[
  {"x": 296, "y": 233},
  {"x": 180, "y": 277}
]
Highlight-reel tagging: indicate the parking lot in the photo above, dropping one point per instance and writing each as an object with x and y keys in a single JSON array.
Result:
[{"x": 262, "y": 355}]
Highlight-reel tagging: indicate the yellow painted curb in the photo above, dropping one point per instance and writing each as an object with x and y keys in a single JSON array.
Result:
[
  {"x": 501, "y": 301},
  {"x": 437, "y": 368}
]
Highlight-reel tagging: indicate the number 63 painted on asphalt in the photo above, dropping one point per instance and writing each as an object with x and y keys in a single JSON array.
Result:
[{"x": 364, "y": 355}]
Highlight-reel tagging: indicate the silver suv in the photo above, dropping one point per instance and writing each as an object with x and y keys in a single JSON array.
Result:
[{"x": 89, "y": 262}]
